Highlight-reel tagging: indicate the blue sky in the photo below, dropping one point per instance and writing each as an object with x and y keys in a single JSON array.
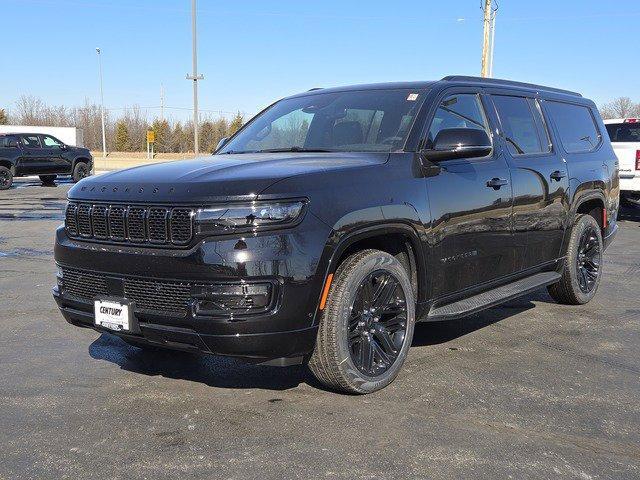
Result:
[{"x": 253, "y": 52}]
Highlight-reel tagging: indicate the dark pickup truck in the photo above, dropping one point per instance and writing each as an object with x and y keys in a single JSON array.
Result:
[
  {"x": 26, "y": 154},
  {"x": 337, "y": 218}
]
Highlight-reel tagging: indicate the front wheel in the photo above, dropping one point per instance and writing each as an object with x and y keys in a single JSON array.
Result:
[
  {"x": 582, "y": 267},
  {"x": 80, "y": 171},
  {"x": 367, "y": 326}
]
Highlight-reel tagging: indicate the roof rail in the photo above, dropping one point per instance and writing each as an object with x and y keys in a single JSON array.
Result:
[
  {"x": 314, "y": 88},
  {"x": 511, "y": 83}
]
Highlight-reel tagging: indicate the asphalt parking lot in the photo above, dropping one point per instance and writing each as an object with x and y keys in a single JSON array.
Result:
[{"x": 528, "y": 390}]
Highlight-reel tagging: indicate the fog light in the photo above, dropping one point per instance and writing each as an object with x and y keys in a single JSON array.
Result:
[{"x": 233, "y": 298}]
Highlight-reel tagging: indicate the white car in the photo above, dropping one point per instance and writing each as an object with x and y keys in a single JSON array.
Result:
[{"x": 625, "y": 139}]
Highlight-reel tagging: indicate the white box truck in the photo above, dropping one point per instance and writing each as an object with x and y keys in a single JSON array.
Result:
[{"x": 68, "y": 135}]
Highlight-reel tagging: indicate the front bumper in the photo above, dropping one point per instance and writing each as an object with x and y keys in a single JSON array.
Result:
[
  {"x": 255, "y": 346},
  {"x": 289, "y": 259}
]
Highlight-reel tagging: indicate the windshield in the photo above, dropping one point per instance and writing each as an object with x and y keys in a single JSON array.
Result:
[
  {"x": 353, "y": 121},
  {"x": 624, "y": 132}
]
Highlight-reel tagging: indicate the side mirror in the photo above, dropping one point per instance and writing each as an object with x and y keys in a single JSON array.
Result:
[
  {"x": 221, "y": 143},
  {"x": 453, "y": 143},
  {"x": 63, "y": 146},
  {"x": 12, "y": 144}
]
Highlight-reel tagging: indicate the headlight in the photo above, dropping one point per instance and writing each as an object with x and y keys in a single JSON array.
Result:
[{"x": 248, "y": 217}]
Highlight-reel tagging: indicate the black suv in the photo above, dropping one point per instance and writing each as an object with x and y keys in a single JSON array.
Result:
[
  {"x": 337, "y": 218},
  {"x": 24, "y": 154}
]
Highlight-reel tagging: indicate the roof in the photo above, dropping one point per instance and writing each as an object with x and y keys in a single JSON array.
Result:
[{"x": 454, "y": 79}]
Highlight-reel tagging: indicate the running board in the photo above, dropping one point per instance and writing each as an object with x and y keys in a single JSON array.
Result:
[{"x": 490, "y": 298}]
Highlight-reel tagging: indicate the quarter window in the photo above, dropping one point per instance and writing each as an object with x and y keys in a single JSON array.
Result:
[
  {"x": 520, "y": 128},
  {"x": 576, "y": 126},
  {"x": 457, "y": 111},
  {"x": 30, "y": 141}
]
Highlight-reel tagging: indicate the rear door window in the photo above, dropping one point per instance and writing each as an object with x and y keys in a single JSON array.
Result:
[
  {"x": 576, "y": 126},
  {"x": 30, "y": 141},
  {"x": 624, "y": 132},
  {"x": 523, "y": 132}
]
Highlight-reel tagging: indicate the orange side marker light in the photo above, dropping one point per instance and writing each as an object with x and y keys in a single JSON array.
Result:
[{"x": 325, "y": 292}]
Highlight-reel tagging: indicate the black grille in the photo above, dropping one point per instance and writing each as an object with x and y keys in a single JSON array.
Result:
[
  {"x": 99, "y": 221},
  {"x": 157, "y": 224},
  {"x": 82, "y": 285},
  {"x": 181, "y": 224},
  {"x": 116, "y": 223},
  {"x": 84, "y": 220},
  {"x": 136, "y": 224},
  {"x": 158, "y": 297},
  {"x": 162, "y": 297},
  {"x": 71, "y": 220}
]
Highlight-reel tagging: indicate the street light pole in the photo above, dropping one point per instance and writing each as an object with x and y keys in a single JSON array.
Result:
[
  {"x": 195, "y": 77},
  {"x": 104, "y": 137}
]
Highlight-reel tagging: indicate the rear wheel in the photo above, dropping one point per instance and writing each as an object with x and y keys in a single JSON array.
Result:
[
  {"x": 6, "y": 178},
  {"x": 48, "y": 179},
  {"x": 582, "y": 269},
  {"x": 80, "y": 171},
  {"x": 367, "y": 326}
]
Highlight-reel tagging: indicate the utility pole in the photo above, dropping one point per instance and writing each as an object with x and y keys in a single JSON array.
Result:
[
  {"x": 493, "y": 37},
  {"x": 484, "y": 71},
  {"x": 195, "y": 77},
  {"x": 104, "y": 137}
]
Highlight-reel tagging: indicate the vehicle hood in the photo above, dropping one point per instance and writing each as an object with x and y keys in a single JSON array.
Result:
[{"x": 215, "y": 178}]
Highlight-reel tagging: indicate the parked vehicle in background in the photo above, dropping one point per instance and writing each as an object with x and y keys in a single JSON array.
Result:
[
  {"x": 625, "y": 138},
  {"x": 26, "y": 154},
  {"x": 337, "y": 218}
]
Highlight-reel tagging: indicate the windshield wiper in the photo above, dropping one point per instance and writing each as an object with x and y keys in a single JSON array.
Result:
[
  {"x": 233, "y": 152},
  {"x": 294, "y": 149}
]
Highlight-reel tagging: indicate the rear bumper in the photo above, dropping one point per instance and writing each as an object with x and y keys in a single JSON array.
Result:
[
  {"x": 255, "y": 346},
  {"x": 630, "y": 184}
]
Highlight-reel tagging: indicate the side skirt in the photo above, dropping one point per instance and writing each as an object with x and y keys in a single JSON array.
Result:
[{"x": 490, "y": 298}]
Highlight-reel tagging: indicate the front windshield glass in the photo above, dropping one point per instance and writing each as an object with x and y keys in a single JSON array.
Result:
[{"x": 352, "y": 121}]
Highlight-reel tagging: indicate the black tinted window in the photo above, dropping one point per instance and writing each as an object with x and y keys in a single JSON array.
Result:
[
  {"x": 519, "y": 125},
  {"x": 623, "y": 132},
  {"x": 30, "y": 141},
  {"x": 457, "y": 111},
  {"x": 8, "y": 141},
  {"x": 575, "y": 124}
]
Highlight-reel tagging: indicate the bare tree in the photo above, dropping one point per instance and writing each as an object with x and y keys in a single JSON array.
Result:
[{"x": 621, "y": 107}]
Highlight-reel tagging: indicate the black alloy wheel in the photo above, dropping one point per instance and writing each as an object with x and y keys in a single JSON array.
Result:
[
  {"x": 366, "y": 328},
  {"x": 378, "y": 323},
  {"x": 581, "y": 268},
  {"x": 588, "y": 260}
]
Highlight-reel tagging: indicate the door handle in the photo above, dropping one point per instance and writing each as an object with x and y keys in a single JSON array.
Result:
[
  {"x": 496, "y": 183},
  {"x": 558, "y": 175}
]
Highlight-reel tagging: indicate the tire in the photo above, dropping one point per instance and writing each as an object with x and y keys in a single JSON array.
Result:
[
  {"x": 342, "y": 341},
  {"x": 48, "y": 179},
  {"x": 6, "y": 178},
  {"x": 579, "y": 285},
  {"x": 80, "y": 171}
]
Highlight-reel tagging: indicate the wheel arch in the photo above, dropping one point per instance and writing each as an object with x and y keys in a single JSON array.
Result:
[
  {"x": 590, "y": 203},
  {"x": 398, "y": 239}
]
